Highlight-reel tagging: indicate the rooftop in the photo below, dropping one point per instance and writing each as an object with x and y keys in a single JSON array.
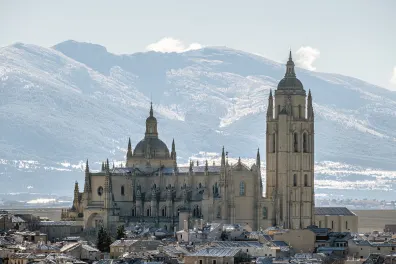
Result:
[
  {"x": 333, "y": 211},
  {"x": 216, "y": 252}
]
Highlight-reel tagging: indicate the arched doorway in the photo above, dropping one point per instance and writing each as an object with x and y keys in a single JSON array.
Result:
[{"x": 95, "y": 220}]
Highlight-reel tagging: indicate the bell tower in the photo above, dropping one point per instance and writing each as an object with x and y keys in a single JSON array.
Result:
[{"x": 290, "y": 153}]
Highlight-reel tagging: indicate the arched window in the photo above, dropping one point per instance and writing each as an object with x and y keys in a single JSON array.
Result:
[
  {"x": 305, "y": 143},
  {"x": 122, "y": 190},
  {"x": 163, "y": 211},
  {"x": 295, "y": 142},
  {"x": 133, "y": 212},
  {"x": 265, "y": 213},
  {"x": 295, "y": 180},
  {"x": 332, "y": 224},
  {"x": 200, "y": 185},
  {"x": 148, "y": 212},
  {"x": 273, "y": 143},
  {"x": 242, "y": 188},
  {"x": 305, "y": 180},
  {"x": 196, "y": 211}
]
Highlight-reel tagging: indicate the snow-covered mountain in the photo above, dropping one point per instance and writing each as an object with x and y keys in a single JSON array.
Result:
[{"x": 61, "y": 105}]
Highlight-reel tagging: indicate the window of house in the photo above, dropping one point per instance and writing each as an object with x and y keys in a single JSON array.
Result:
[
  {"x": 295, "y": 142},
  {"x": 320, "y": 223},
  {"x": 306, "y": 180},
  {"x": 242, "y": 188},
  {"x": 346, "y": 225},
  {"x": 295, "y": 180},
  {"x": 305, "y": 143},
  {"x": 122, "y": 190},
  {"x": 332, "y": 224},
  {"x": 148, "y": 212}
]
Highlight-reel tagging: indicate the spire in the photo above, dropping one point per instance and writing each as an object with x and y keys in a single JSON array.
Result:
[
  {"x": 173, "y": 153},
  {"x": 129, "y": 152},
  {"x": 103, "y": 166},
  {"x": 113, "y": 165},
  {"x": 270, "y": 108},
  {"x": 76, "y": 190},
  {"x": 239, "y": 161},
  {"x": 151, "y": 109},
  {"x": 87, "y": 167},
  {"x": 76, "y": 193},
  {"x": 290, "y": 67},
  {"x": 107, "y": 164},
  {"x": 223, "y": 157},
  {"x": 310, "y": 111},
  {"x": 258, "y": 161},
  {"x": 206, "y": 166},
  {"x": 191, "y": 165}
]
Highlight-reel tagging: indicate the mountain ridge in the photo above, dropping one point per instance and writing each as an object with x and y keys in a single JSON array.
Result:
[{"x": 67, "y": 103}]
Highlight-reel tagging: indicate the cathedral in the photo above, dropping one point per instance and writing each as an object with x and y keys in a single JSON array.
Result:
[{"x": 153, "y": 189}]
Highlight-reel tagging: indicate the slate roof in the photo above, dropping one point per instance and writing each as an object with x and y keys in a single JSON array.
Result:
[
  {"x": 181, "y": 170},
  {"x": 216, "y": 252},
  {"x": 236, "y": 244},
  {"x": 333, "y": 211}
]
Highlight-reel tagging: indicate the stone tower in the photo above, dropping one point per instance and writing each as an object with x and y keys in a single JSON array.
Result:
[{"x": 290, "y": 153}]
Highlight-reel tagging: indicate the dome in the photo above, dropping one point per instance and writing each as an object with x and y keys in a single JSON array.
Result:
[
  {"x": 151, "y": 118},
  {"x": 290, "y": 83},
  {"x": 155, "y": 146}
]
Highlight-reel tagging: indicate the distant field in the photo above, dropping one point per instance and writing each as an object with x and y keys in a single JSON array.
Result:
[
  {"x": 51, "y": 213},
  {"x": 369, "y": 220}
]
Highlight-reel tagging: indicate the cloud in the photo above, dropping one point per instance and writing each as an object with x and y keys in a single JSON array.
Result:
[
  {"x": 172, "y": 45},
  {"x": 393, "y": 78},
  {"x": 306, "y": 56}
]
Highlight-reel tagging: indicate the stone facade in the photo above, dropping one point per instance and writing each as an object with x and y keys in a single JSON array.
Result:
[{"x": 153, "y": 189}]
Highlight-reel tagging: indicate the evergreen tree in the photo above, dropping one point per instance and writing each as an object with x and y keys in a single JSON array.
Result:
[
  {"x": 104, "y": 240},
  {"x": 120, "y": 232}
]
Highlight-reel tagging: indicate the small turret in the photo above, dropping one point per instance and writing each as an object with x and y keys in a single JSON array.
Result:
[
  {"x": 113, "y": 165},
  {"x": 206, "y": 166},
  {"x": 107, "y": 165},
  {"x": 258, "y": 162},
  {"x": 223, "y": 162},
  {"x": 86, "y": 166},
  {"x": 173, "y": 153},
  {"x": 310, "y": 111},
  {"x": 103, "y": 166},
  {"x": 270, "y": 108},
  {"x": 87, "y": 180},
  {"x": 191, "y": 166},
  {"x": 129, "y": 152}
]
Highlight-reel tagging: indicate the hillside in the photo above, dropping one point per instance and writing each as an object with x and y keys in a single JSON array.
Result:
[{"x": 74, "y": 101}]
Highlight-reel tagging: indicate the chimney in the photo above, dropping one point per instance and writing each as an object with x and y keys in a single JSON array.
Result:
[{"x": 185, "y": 226}]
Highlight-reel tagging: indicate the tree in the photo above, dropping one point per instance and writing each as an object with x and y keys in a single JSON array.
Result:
[
  {"x": 104, "y": 240},
  {"x": 224, "y": 236},
  {"x": 121, "y": 232}
]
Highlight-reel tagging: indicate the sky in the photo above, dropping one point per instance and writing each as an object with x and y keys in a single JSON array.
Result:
[{"x": 354, "y": 37}]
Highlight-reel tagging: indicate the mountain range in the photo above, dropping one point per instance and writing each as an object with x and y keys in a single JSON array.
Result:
[{"x": 73, "y": 101}]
